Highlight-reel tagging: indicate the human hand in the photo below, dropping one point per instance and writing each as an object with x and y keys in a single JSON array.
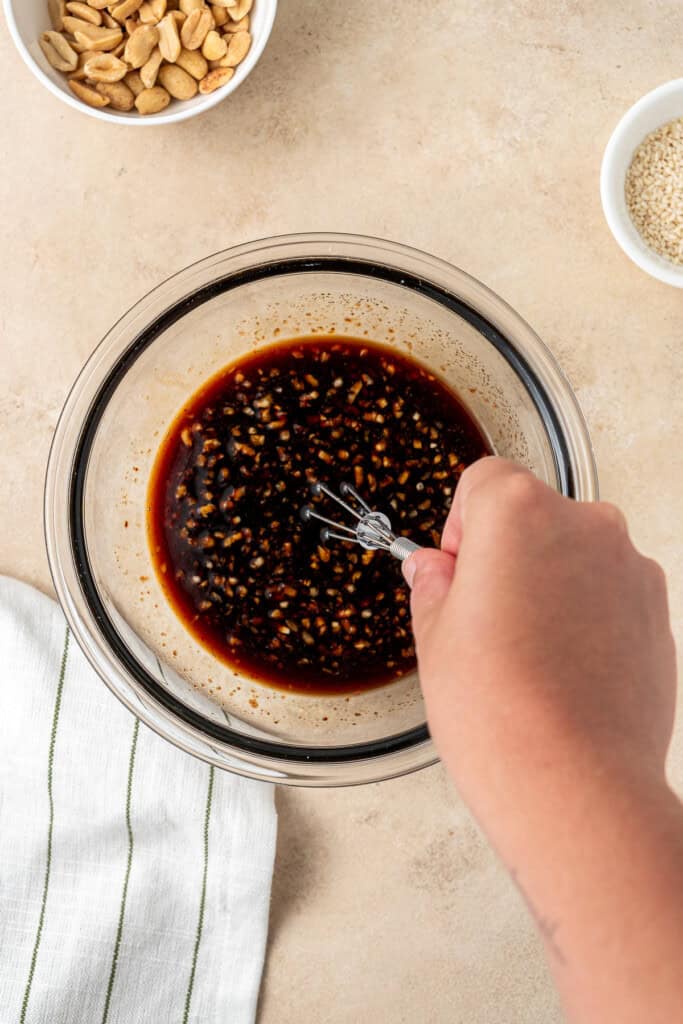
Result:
[{"x": 543, "y": 642}]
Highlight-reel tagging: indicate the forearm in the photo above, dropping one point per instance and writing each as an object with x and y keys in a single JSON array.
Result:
[{"x": 600, "y": 864}]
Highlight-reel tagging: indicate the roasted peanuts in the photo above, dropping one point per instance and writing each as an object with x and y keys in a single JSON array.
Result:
[{"x": 137, "y": 55}]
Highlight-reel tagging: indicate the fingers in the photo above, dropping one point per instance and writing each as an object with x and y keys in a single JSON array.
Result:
[
  {"x": 483, "y": 472},
  {"x": 429, "y": 573}
]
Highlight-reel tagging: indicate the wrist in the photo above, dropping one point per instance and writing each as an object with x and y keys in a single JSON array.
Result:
[{"x": 540, "y": 803}]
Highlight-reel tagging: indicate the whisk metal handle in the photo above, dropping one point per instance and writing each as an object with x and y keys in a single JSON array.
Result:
[{"x": 402, "y": 547}]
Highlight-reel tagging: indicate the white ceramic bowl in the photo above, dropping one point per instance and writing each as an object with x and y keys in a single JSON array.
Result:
[
  {"x": 28, "y": 18},
  {"x": 649, "y": 113}
]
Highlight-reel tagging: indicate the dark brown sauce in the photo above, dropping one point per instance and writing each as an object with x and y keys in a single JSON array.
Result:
[{"x": 246, "y": 576}]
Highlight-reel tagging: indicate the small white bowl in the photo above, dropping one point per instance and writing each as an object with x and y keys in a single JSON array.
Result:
[
  {"x": 649, "y": 113},
  {"x": 28, "y": 18}
]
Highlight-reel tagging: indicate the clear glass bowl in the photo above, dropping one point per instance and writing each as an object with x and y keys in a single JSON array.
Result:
[{"x": 131, "y": 388}]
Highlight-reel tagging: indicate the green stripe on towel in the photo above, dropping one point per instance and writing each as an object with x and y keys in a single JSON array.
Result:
[
  {"x": 202, "y": 900},
  {"x": 126, "y": 877},
  {"x": 48, "y": 861}
]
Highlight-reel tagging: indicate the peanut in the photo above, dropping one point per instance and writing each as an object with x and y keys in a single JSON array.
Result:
[
  {"x": 56, "y": 10},
  {"x": 119, "y": 95},
  {"x": 152, "y": 101},
  {"x": 215, "y": 79},
  {"x": 238, "y": 48},
  {"x": 79, "y": 74},
  {"x": 88, "y": 95},
  {"x": 73, "y": 25},
  {"x": 220, "y": 15},
  {"x": 70, "y": 23},
  {"x": 109, "y": 21},
  {"x": 80, "y": 46},
  {"x": 169, "y": 40},
  {"x": 238, "y": 26},
  {"x": 187, "y": 6},
  {"x": 105, "y": 67},
  {"x": 176, "y": 81},
  {"x": 224, "y": 3},
  {"x": 146, "y": 14},
  {"x": 152, "y": 11},
  {"x": 84, "y": 11},
  {"x": 150, "y": 69},
  {"x": 193, "y": 62},
  {"x": 58, "y": 51},
  {"x": 196, "y": 27},
  {"x": 125, "y": 9},
  {"x": 92, "y": 37},
  {"x": 134, "y": 82},
  {"x": 214, "y": 46},
  {"x": 140, "y": 45},
  {"x": 241, "y": 8}
]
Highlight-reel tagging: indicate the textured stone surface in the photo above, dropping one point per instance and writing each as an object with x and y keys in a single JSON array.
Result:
[{"x": 474, "y": 131}]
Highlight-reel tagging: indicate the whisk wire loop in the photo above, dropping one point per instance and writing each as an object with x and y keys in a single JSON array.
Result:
[{"x": 372, "y": 531}]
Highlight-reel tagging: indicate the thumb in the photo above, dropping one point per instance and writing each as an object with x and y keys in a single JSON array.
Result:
[{"x": 429, "y": 573}]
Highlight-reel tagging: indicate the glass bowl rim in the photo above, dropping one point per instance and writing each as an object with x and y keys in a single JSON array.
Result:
[{"x": 66, "y": 542}]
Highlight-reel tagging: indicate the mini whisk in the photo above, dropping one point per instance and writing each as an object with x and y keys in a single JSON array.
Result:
[{"x": 372, "y": 530}]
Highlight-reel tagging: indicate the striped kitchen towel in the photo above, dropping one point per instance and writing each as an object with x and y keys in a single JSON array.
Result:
[{"x": 134, "y": 879}]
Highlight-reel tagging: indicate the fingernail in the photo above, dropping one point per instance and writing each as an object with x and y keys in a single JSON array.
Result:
[{"x": 408, "y": 568}]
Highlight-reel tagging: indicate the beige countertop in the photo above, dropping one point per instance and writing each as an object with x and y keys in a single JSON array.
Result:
[{"x": 474, "y": 131}]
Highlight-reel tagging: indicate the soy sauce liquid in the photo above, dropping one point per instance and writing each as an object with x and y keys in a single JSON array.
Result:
[{"x": 250, "y": 580}]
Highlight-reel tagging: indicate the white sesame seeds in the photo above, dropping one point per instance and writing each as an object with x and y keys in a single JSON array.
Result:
[{"x": 654, "y": 190}]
